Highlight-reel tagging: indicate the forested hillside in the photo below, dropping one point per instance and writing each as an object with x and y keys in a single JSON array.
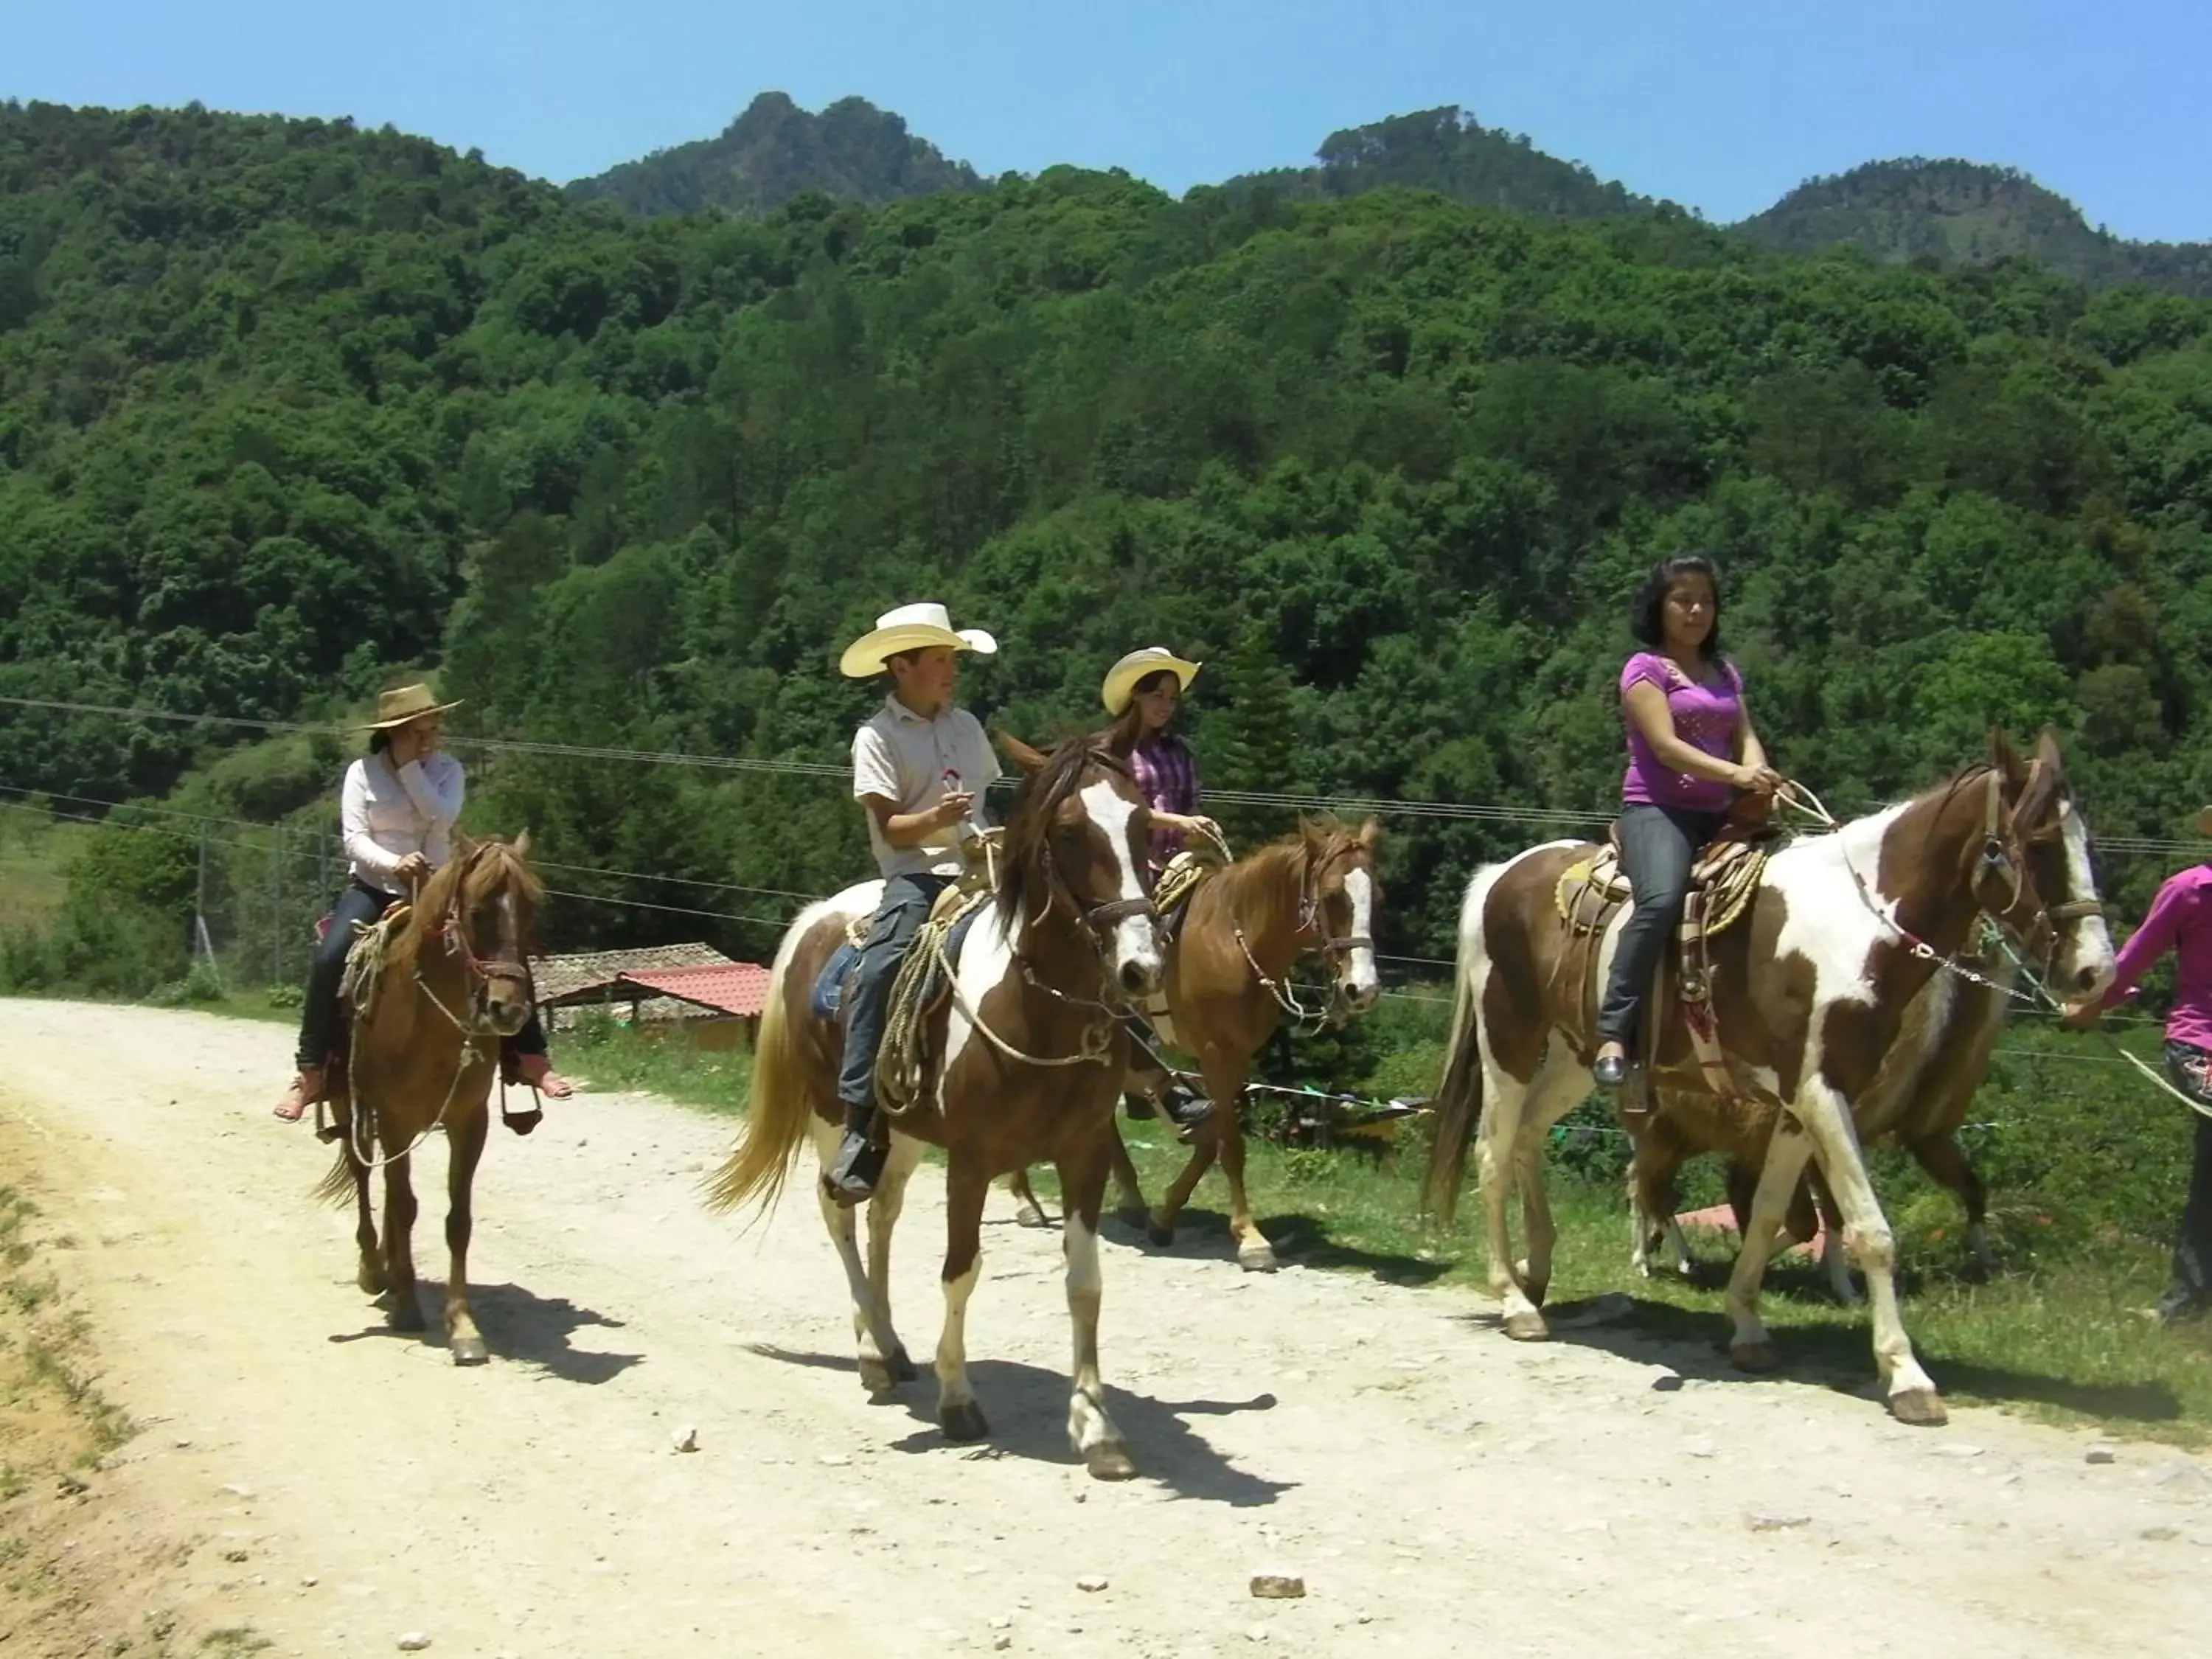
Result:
[{"x": 285, "y": 405}]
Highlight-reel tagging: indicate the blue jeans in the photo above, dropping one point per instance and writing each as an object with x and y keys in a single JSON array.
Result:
[
  {"x": 1658, "y": 846},
  {"x": 322, "y": 1022},
  {"x": 906, "y": 904}
]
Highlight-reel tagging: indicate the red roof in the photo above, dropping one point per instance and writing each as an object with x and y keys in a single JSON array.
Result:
[{"x": 738, "y": 988}]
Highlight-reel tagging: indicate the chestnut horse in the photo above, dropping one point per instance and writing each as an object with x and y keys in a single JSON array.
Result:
[
  {"x": 1809, "y": 991},
  {"x": 1026, "y": 1059},
  {"x": 1313, "y": 892},
  {"x": 454, "y": 983}
]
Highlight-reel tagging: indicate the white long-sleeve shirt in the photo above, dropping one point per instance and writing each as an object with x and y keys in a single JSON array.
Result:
[{"x": 384, "y": 815}]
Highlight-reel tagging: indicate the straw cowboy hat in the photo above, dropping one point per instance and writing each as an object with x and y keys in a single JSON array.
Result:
[
  {"x": 910, "y": 628},
  {"x": 409, "y": 703},
  {"x": 2204, "y": 821},
  {"x": 1122, "y": 678}
]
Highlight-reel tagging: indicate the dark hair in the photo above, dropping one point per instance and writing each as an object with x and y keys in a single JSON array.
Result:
[
  {"x": 1647, "y": 612},
  {"x": 380, "y": 740},
  {"x": 1128, "y": 728}
]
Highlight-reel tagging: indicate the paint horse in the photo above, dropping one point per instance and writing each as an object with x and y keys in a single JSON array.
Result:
[
  {"x": 448, "y": 980},
  {"x": 1314, "y": 891},
  {"x": 1025, "y": 1062},
  {"x": 1809, "y": 992}
]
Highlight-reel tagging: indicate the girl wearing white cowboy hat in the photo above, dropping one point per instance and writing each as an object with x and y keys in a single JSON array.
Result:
[
  {"x": 1143, "y": 691},
  {"x": 396, "y": 814},
  {"x": 2180, "y": 920},
  {"x": 920, "y": 764}
]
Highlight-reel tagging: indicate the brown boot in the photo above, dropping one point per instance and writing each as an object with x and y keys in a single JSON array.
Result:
[{"x": 307, "y": 1089}]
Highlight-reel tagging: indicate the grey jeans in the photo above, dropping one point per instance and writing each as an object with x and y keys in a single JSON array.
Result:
[{"x": 1658, "y": 845}]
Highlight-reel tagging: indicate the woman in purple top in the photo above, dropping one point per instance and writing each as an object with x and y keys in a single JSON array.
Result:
[
  {"x": 2180, "y": 920},
  {"x": 1691, "y": 748},
  {"x": 1142, "y": 692}
]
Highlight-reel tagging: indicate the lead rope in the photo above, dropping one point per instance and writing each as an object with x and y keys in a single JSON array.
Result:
[{"x": 2042, "y": 994}]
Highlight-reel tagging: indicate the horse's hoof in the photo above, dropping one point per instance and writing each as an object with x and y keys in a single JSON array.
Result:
[
  {"x": 1527, "y": 1327},
  {"x": 963, "y": 1422},
  {"x": 371, "y": 1280},
  {"x": 1921, "y": 1407},
  {"x": 875, "y": 1377},
  {"x": 1029, "y": 1216},
  {"x": 902, "y": 1369},
  {"x": 1257, "y": 1258},
  {"x": 406, "y": 1314},
  {"x": 1109, "y": 1459},
  {"x": 469, "y": 1350},
  {"x": 1159, "y": 1235},
  {"x": 1756, "y": 1358}
]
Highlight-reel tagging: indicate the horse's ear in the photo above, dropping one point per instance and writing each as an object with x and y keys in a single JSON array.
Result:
[
  {"x": 464, "y": 847},
  {"x": 2046, "y": 749},
  {"x": 1029, "y": 760},
  {"x": 522, "y": 844},
  {"x": 2001, "y": 754},
  {"x": 1370, "y": 834}
]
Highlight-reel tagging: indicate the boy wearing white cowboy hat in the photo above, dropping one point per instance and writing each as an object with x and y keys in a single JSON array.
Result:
[
  {"x": 2180, "y": 920},
  {"x": 396, "y": 814},
  {"x": 920, "y": 767}
]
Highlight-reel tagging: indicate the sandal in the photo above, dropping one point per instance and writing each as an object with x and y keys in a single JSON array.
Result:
[{"x": 306, "y": 1090}]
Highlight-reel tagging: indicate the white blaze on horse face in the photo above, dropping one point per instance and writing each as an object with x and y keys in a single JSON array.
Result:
[
  {"x": 2085, "y": 964},
  {"x": 1362, "y": 983},
  {"x": 1136, "y": 941}
]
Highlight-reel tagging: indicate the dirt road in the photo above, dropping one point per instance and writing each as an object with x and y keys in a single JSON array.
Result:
[{"x": 302, "y": 1478}]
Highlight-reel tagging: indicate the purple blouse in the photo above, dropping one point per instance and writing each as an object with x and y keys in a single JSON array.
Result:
[
  {"x": 1167, "y": 776},
  {"x": 1705, "y": 717}
]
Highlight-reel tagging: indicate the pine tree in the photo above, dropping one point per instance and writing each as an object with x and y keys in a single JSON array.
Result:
[{"x": 1255, "y": 749}]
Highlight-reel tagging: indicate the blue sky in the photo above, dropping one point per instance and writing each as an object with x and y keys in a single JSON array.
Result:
[{"x": 1721, "y": 104}]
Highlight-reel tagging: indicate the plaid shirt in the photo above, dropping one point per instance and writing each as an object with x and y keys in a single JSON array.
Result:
[{"x": 1167, "y": 776}]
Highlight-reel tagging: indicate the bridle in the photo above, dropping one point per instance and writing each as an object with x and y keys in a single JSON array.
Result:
[
  {"x": 1310, "y": 939},
  {"x": 507, "y": 967}
]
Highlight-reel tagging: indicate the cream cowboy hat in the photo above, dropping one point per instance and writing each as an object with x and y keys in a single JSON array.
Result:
[
  {"x": 2204, "y": 821},
  {"x": 910, "y": 628},
  {"x": 409, "y": 703},
  {"x": 1122, "y": 678}
]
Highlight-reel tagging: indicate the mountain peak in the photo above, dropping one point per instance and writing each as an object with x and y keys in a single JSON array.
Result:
[{"x": 775, "y": 150}]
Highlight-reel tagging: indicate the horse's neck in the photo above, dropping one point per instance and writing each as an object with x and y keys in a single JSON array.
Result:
[
  {"x": 1265, "y": 895},
  {"x": 1935, "y": 904},
  {"x": 1052, "y": 951}
]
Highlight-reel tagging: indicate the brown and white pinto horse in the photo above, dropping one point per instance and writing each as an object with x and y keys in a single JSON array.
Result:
[
  {"x": 1314, "y": 891},
  {"x": 1027, "y": 1061},
  {"x": 1810, "y": 990},
  {"x": 454, "y": 981}
]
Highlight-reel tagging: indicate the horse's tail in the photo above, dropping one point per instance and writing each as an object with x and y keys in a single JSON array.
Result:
[
  {"x": 336, "y": 1188},
  {"x": 1459, "y": 1098},
  {"x": 778, "y": 1111}
]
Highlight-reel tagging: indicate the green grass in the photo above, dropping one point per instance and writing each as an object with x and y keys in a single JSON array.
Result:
[
  {"x": 605, "y": 1055},
  {"x": 33, "y": 852}
]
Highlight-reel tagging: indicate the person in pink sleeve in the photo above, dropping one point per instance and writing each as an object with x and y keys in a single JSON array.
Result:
[
  {"x": 1691, "y": 748},
  {"x": 2180, "y": 920}
]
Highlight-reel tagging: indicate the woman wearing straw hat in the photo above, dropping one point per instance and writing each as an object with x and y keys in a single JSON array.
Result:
[
  {"x": 920, "y": 764},
  {"x": 2180, "y": 920},
  {"x": 396, "y": 814},
  {"x": 1143, "y": 692}
]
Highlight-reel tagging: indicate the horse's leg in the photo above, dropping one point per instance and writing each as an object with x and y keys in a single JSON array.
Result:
[
  {"x": 873, "y": 1344},
  {"x": 1028, "y": 1212},
  {"x": 1946, "y": 1162},
  {"x": 466, "y": 1141},
  {"x": 1224, "y": 1080},
  {"x": 1911, "y": 1392},
  {"x": 1496, "y": 1146},
  {"x": 1090, "y": 1431},
  {"x": 1787, "y": 1149},
  {"x": 370, "y": 1275},
  {"x": 957, "y": 1413},
  {"x": 883, "y": 1212},
  {"x": 1559, "y": 1083},
  {"x": 1835, "y": 1260},
  {"x": 399, "y": 1244},
  {"x": 1130, "y": 1208},
  {"x": 1218, "y": 1127}
]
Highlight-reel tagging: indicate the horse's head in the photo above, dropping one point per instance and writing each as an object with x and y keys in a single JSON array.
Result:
[
  {"x": 1075, "y": 841},
  {"x": 2037, "y": 863},
  {"x": 1342, "y": 896},
  {"x": 486, "y": 915}
]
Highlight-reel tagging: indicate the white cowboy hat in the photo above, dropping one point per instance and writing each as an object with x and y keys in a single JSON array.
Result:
[
  {"x": 910, "y": 628},
  {"x": 1122, "y": 678},
  {"x": 408, "y": 702},
  {"x": 2204, "y": 821}
]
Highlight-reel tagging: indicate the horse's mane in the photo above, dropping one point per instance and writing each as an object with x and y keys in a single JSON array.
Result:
[
  {"x": 1288, "y": 862},
  {"x": 1029, "y": 820}
]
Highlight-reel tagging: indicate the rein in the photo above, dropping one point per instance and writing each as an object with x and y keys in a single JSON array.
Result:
[{"x": 1309, "y": 1022}]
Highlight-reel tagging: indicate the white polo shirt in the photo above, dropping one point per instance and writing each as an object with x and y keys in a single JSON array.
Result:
[{"x": 904, "y": 758}]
